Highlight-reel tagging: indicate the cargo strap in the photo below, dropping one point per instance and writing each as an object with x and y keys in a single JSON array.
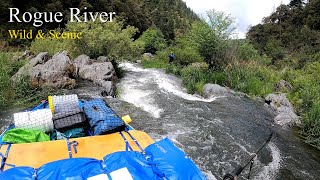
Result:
[
  {"x": 4, "y": 158},
  {"x": 126, "y": 141},
  {"x": 135, "y": 140},
  {"x": 74, "y": 144},
  {"x": 154, "y": 167}
]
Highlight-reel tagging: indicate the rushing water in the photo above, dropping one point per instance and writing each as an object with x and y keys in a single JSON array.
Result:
[{"x": 218, "y": 133}]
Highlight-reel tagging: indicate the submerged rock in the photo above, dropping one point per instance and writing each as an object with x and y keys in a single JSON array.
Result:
[
  {"x": 210, "y": 90},
  {"x": 281, "y": 104}
]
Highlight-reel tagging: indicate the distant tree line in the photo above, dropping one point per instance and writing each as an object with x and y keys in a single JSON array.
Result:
[{"x": 292, "y": 29}]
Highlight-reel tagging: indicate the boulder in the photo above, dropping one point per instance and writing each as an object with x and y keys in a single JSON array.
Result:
[
  {"x": 82, "y": 60},
  {"x": 100, "y": 73},
  {"x": 282, "y": 86},
  {"x": 103, "y": 59},
  {"x": 55, "y": 73},
  {"x": 147, "y": 56},
  {"x": 210, "y": 90},
  {"x": 283, "y": 107},
  {"x": 41, "y": 58}
]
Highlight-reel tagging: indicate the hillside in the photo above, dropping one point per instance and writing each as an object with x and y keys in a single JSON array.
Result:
[{"x": 167, "y": 15}]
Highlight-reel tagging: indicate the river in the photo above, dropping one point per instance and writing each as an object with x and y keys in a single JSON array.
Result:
[{"x": 218, "y": 133}]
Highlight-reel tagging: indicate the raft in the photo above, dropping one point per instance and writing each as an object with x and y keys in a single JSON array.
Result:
[{"x": 124, "y": 155}]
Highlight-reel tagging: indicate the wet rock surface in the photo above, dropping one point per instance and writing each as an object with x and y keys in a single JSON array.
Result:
[{"x": 210, "y": 90}]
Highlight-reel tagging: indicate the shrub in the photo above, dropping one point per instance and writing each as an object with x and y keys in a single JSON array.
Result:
[
  {"x": 183, "y": 56},
  {"x": 109, "y": 39},
  {"x": 153, "y": 40},
  {"x": 52, "y": 46},
  {"x": 247, "y": 52}
]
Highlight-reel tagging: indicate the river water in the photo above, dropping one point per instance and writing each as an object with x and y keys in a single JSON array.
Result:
[{"x": 218, "y": 133}]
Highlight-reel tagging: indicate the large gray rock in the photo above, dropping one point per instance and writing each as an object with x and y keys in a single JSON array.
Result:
[
  {"x": 103, "y": 59},
  {"x": 41, "y": 58},
  {"x": 43, "y": 71},
  {"x": 210, "y": 90},
  {"x": 99, "y": 72},
  {"x": 55, "y": 73},
  {"x": 281, "y": 104},
  {"x": 147, "y": 56}
]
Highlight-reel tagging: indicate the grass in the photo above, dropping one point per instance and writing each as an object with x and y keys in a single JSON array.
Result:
[{"x": 17, "y": 94}]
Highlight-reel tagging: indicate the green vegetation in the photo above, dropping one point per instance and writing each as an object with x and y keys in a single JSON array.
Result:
[
  {"x": 108, "y": 39},
  {"x": 169, "y": 16},
  {"x": 20, "y": 93},
  {"x": 286, "y": 46},
  {"x": 153, "y": 40}
]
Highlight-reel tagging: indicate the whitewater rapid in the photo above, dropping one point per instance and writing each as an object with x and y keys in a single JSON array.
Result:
[{"x": 154, "y": 91}]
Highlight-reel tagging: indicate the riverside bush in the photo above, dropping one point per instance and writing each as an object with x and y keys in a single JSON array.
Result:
[
  {"x": 153, "y": 40},
  {"x": 183, "y": 56},
  {"x": 108, "y": 39},
  {"x": 98, "y": 39}
]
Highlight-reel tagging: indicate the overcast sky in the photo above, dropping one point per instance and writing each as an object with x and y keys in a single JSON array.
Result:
[{"x": 246, "y": 12}]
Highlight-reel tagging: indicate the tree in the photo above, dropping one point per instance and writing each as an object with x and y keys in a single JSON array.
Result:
[
  {"x": 210, "y": 37},
  {"x": 153, "y": 40}
]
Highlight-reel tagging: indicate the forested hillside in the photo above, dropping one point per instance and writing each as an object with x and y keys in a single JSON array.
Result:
[
  {"x": 167, "y": 15},
  {"x": 293, "y": 31}
]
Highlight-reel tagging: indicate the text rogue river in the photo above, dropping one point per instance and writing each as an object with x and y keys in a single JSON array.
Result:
[{"x": 219, "y": 133}]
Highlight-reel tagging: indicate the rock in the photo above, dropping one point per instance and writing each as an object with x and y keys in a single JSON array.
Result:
[
  {"x": 41, "y": 58},
  {"x": 198, "y": 65},
  {"x": 26, "y": 55},
  {"x": 282, "y": 86},
  {"x": 55, "y": 73},
  {"x": 281, "y": 104},
  {"x": 103, "y": 59},
  {"x": 82, "y": 60},
  {"x": 101, "y": 73},
  {"x": 139, "y": 61},
  {"x": 147, "y": 56},
  {"x": 43, "y": 71},
  {"x": 210, "y": 90}
]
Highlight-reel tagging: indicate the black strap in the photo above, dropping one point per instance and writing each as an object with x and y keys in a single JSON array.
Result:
[
  {"x": 251, "y": 165},
  {"x": 5, "y": 157}
]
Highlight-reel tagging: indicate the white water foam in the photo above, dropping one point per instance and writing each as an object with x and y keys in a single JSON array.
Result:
[
  {"x": 166, "y": 82},
  {"x": 140, "y": 98},
  {"x": 270, "y": 171}
]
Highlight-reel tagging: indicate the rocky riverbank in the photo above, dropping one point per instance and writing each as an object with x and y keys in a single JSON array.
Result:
[
  {"x": 286, "y": 114},
  {"x": 59, "y": 71}
]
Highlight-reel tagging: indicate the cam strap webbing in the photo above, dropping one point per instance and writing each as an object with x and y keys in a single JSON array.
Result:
[
  {"x": 126, "y": 141},
  {"x": 135, "y": 140},
  {"x": 74, "y": 144},
  {"x": 5, "y": 157}
]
